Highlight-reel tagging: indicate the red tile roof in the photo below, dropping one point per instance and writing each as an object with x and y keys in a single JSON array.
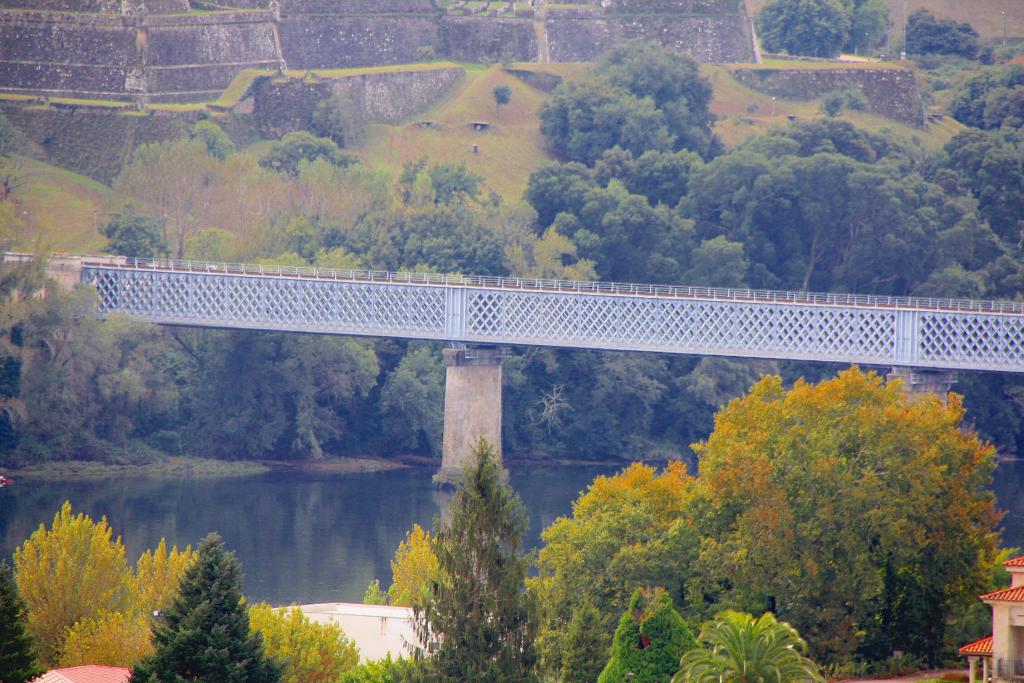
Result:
[
  {"x": 1016, "y": 561},
  {"x": 92, "y": 673},
  {"x": 1006, "y": 595},
  {"x": 978, "y": 647}
]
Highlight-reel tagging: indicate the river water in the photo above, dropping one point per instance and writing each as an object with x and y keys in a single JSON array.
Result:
[{"x": 316, "y": 537}]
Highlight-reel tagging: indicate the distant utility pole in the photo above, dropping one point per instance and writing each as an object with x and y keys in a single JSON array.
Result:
[{"x": 903, "y": 52}]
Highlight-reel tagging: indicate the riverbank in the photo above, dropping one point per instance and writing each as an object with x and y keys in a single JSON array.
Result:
[{"x": 195, "y": 468}]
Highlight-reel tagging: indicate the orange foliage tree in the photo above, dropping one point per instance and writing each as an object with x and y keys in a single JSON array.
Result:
[{"x": 861, "y": 516}]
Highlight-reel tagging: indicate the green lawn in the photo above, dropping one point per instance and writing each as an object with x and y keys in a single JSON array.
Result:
[
  {"x": 509, "y": 149},
  {"x": 60, "y": 208}
]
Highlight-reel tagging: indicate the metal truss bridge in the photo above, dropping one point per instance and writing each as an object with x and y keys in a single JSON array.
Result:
[{"x": 842, "y": 328}]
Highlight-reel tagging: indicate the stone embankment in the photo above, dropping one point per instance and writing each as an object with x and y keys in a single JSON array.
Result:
[
  {"x": 891, "y": 92},
  {"x": 161, "y": 50}
]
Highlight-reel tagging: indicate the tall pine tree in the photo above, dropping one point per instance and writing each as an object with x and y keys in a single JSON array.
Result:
[
  {"x": 476, "y": 621},
  {"x": 17, "y": 654},
  {"x": 205, "y": 632}
]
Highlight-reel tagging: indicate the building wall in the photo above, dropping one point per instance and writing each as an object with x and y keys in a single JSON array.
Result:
[{"x": 377, "y": 630}]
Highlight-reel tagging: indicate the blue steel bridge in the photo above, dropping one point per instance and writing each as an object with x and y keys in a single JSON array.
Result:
[{"x": 919, "y": 333}]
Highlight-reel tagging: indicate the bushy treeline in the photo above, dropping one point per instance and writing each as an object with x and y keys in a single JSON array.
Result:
[
  {"x": 643, "y": 192},
  {"x": 854, "y": 514}
]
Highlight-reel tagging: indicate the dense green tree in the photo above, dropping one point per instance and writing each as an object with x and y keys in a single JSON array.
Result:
[
  {"x": 285, "y": 155},
  {"x": 862, "y": 516},
  {"x": 640, "y": 97},
  {"x": 502, "y": 96},
  {"x": 336, "y": 118},
  {"x": 815, "y": 208},
  {"x": 204, "y": 634},
  {"x": 817, "y": 28},
  {"x": 869, "y": 20},
  {"x": 477, "y": 623},
  {"x": 448, "y": 181},
  {"x": 17, "y": 650},
  {"x": 650, "y": 639},
  {"x": 647, "y": 70},
  {"x": 130, "y": 233},
  {"x": 385, "y": 670},
  {"x": 276, "y": 393},
  {"x": 583, "y": 118},
  {"x": 737, "y": 648},
  {"x": 217, "y": 142},
  {"x": 584, "y": 649},
  {"x": 718, "y": 263},
  {"x": 412, "y": 400},
  {"x": 991, "y": 99},
  {"x": 626, "y": 531},
  {"x": 555, "y": 188},
  {"x": 990, "y": 165},
  {"x": 927, "y": 34}
]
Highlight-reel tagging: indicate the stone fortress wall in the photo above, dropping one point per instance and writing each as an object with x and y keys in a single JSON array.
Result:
[
  {"x": 159, "y": 50},
  {"x": 892, "y": 93}
]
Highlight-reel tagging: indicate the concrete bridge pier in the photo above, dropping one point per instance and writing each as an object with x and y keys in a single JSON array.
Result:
[
  {"x": 472, "y": 407},
  {"x": 918, "y": 382}
]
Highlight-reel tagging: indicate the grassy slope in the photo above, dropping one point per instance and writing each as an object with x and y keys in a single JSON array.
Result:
[
  {"x": 509, "y": 150},
  {"x": 984, "y": 15},
  {"x": 61, "y": 208},
  {"x": 736, "y": 123}
]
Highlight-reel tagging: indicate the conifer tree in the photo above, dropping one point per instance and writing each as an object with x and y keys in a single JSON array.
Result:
[
  {"x": 17, "y": 654},
  {"x": 204, "y": 634},
  {"x": 475, "y": 624},
  {"x": 585, "y": 654},
  {"x": 649, "y": 641}
]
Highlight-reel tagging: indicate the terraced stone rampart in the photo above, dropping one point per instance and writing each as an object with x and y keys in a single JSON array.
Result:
[
  {"x": 323, "y": 42},
  {"x": 472, "y": 39},
  {"x": 892, "y": 93},
  {"x": 94, "y": 142},
  {"x": 107, "y": 6},
  {"x": 159, "y": 50},
  {"x": 284, "y": 105},
  {"x": 334, "y": 7},
  {"x": 583, "y": 34}
]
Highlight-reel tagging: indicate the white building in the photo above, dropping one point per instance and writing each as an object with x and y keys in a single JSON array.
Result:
[
  {"x": 1002, "y": 653},
  {"x": 377, "y": 630}
]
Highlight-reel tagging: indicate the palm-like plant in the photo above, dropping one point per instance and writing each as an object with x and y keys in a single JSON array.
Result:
[{"x": 741, "y": 649}]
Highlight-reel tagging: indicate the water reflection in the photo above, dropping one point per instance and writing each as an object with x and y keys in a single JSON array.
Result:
[
  {"x": 304, "y": 538},
  {"x": 317, "y": 538}
]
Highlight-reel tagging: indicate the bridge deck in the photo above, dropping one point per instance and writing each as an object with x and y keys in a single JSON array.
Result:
[{"x": 848, "y": 328}]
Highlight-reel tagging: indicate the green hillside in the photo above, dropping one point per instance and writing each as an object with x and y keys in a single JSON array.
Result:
[
  {"x": 59, "y": 208},
  {"x": 64, "y": 209}
]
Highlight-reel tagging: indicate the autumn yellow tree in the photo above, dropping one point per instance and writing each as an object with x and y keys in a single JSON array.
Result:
[
  {"x": 414, "y": 567},
  {"x": 627, "y": 531},
  {"x": 69, "y": 572},
  {"x": 158, "y": 574},
  {"x": 311, "y": 652},
  {"x": 124, "y": 638},
  {"x": 111, "y": 638},
  {"x": 860, "y": 516}
]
